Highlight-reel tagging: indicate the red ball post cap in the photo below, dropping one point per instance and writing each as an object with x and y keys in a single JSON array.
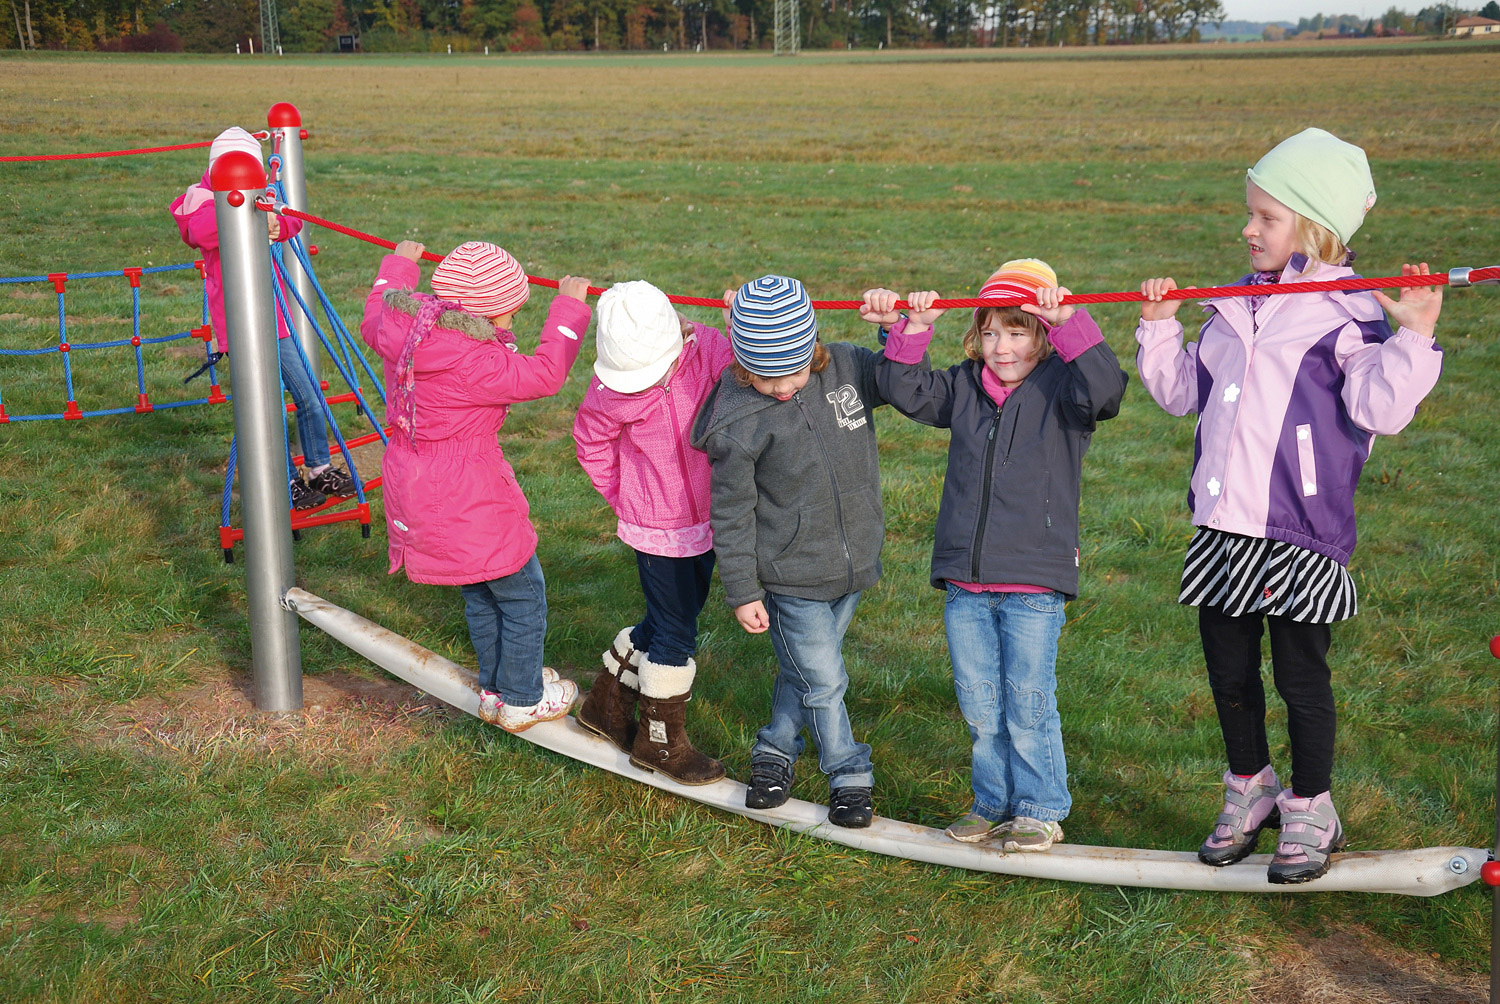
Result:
[
  {"x": 1495, "y": 646},
  {"x": 235, "y": 171},
  {"x": 1490, "y": 872},
  {"x": 283, "y": 114}
]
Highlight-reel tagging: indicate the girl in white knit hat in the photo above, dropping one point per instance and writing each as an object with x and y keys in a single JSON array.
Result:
[
  {"x": 655, "y": 368},
  {"x": 1290, "y": 393}
]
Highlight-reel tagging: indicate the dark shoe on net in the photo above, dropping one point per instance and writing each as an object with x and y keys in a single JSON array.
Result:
[
  {"x": 851, "y": 806},
  {"x": 333, "y": 482},
  {"x": 304, "y": 496},
  {"x": 770, "y": 783}
]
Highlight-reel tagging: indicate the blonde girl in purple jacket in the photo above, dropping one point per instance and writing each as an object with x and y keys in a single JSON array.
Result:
[
  {"x": 655, "y": 368},
  {"x": 1290, "y": 392}
]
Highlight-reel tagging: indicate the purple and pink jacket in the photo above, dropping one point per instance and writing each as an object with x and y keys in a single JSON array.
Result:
[
  {"x": 634, "y": 448},
  {"x": 1289, "y": 400},
  {"x": 453, "y": 510},
  {"x": 194, "y": 212}
]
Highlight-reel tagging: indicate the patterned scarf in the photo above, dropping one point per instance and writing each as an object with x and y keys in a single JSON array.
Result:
[
  {"x": 404, "y": 414},
  {"x": 1261, "y": 279}
]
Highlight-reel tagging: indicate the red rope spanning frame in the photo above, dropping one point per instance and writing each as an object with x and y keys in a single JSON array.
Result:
[
  {"x": 1477, "y": 275},
  {"x": 124, "y": 153}
]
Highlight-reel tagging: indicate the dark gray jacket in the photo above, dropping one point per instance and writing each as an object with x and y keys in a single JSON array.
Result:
[
  {"x": 795, "y": 490},
  {"x": 1010, "y": 498}
]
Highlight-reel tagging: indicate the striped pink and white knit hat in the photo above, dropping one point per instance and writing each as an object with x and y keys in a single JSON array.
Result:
[{"x": 485, "y": 278}]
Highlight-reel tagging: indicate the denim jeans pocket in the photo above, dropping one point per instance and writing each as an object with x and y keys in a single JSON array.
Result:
[
  {"x": 977, "y": 702},
  {"x": 952, "y": 593},
  {"x": 1042, "y": 602},
  {"x": 1027, "y": 705}
]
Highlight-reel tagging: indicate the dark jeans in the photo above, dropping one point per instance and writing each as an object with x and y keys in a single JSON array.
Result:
[
  {"x": 676, "y": 589},
  {"x": 311, "y": 431},
  {"x": 508, "y": 624},
  {"x": 1299, "y": 666}
]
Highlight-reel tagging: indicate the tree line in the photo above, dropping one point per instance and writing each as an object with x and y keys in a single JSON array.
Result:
[{"x": 577, "y": 25}]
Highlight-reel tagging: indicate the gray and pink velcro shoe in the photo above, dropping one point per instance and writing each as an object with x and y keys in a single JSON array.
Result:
[
  {"x": 1249, "y": 807},
  {"x": 1310, "y": 835}
]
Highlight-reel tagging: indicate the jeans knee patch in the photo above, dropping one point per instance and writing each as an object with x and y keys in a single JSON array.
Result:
[
  {"x": 977, "y": 702},
  {"x": 1028, "y": 705}
]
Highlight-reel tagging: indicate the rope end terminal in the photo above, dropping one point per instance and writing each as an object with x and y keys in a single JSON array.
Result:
[{"x": 1460, "y": 277}]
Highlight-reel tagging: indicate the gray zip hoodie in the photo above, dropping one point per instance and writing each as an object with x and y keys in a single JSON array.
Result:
[{"x": 795, "y": 490}]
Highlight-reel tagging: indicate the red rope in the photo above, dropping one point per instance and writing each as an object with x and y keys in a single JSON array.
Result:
[
  {"x": 1190, "y": 293},
  {"x": 118, "y": 153}
]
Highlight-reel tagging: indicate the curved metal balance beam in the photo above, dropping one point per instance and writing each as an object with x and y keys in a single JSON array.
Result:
[{"x": 1428, "y": 871}]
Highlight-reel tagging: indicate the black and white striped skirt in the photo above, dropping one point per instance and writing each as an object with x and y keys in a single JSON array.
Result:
[{"x": 1252, "y": 575}]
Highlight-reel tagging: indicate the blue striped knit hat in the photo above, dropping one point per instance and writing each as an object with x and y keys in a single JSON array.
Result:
[{"x": 772, "y": 326}]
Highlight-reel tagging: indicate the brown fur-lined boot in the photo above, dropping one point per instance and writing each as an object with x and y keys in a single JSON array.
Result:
[
  {"x": 661, "y": 741},
  {"x": 609, "y": 709}
]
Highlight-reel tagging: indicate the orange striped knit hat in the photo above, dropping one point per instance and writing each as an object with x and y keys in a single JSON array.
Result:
[
  {"x": 1021, "y": 277},
  {"x": 486, "y": 279}
]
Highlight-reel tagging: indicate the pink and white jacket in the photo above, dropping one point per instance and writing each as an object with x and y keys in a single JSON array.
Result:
[
  {"x": 193, "y": 212},
  {"x": 634, "y": 448},
  {"x": 453, "y": 510},
  {"x": 1289, "y": 401}
]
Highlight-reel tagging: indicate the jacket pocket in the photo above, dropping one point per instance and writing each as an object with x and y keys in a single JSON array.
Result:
[
  {"x": 1307, "y": 463},
  {"x": 813, "y": 554}
]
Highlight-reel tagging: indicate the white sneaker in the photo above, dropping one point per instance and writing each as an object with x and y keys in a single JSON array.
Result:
[
  {"x": 1027, "y": 834},
  {"x": 491, "y": 702},
  {"x": 557, "y": 697}
]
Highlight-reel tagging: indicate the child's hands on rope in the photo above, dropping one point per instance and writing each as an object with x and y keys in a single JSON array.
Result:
[
  {"x": 1418, "y": 307},
  {"x": 1050, "y": 306},
  {"x": 752, "y": 617},
  {"x": 574, "y": 286},
  {"x": 728, "y": 302},
  {"x": 879, "y": 307},
  {"x": 273, "y": 226},
  {"x": 410, "y": 250},
  {"x": 1155, "y": 308}
]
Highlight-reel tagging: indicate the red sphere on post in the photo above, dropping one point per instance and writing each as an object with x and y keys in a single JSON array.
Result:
[
  {"x": 237, "y": 171},
  {"x": 1490, "y": 873},
  {"x": 1495, "y": 646},
  {"x": 283, "y": 114}
]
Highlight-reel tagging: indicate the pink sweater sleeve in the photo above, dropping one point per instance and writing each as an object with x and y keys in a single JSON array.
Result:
[
  {"x": 1168, "y": 367},
  {"x": 597, "y": 436},
  {"x": 395, "y": 272},
  {"x": 501, "y": 375}
]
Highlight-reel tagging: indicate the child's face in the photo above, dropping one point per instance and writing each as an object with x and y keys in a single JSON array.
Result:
[
  {"x": 1008, "y": 351},
  {"x": 1271, "y": 231},
  {"x": 783, "y": 387}
]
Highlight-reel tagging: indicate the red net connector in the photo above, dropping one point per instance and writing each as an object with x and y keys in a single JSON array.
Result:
[
  {"x": 135, "y": 340},
  {"x": 134, "y": 275},
  {"x": 227, "y": 537},
  {"x": 72, "y": 411},
  {"x": 312, "y": 249},
  {"x": 200, "y": 266},
  {"x": 64, "y": 347},
  {"x": 203, "y": 333},
  {"x": 302, "y": 133},
  {"x": 143, "y": 404},
  {"x": 323, "y": 384},
  {"x": 1489, "y": 872},
  {"x": 1495, "y": 646},
  {"x": 4, "y": 418},
  {"x": 216, "y": 396},
  {"x": 58, "y": 280}
]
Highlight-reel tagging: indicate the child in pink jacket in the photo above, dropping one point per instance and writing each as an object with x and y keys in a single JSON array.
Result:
[
  {"x": 194, "y": 213},
  {"x": 453, "y": 510},
  {"x": 654, "y": 369}
]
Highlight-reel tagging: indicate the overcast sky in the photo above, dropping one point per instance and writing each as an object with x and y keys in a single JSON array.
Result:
[{"x": 1291, "y": 10}]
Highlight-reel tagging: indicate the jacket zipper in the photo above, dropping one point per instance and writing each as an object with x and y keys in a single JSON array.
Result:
[
  {"x": 681, "y": 456},
  {"x": 838, "y": 509},
  {"x": 984, "y": 502}
]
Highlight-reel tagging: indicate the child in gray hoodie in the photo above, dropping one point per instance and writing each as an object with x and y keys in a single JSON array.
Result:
[{"x": 798, "y": 526}]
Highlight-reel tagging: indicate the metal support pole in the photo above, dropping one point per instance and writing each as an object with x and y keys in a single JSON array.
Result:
[
  {"x": 1494, "y": 857},
  {"x": 250, "y": 319},
  {"x": 285, "y": 123}
]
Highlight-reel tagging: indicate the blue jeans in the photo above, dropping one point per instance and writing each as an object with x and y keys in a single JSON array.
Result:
[
  {"x": 508, "y": 624},
  {"x": 1004, "y": 652},
  {"x": 310, "y": 431},
  {"x": 807, "y": 636},
  {"x": 675, "y": 590}
]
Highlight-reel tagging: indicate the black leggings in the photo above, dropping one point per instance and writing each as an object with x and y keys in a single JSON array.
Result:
[{"x": 1299, "y": 664}]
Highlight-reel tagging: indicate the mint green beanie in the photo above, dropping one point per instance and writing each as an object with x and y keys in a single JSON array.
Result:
[{"x": 1318, "y": 175}]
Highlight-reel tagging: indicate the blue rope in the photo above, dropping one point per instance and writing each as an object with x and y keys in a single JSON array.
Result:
[
  {"x": 62, "y": 338},
  {"x": 336, "y": 321},
  {"x": 228, "y": 481},
  {"x": 135, "y": 321},
  {"x": 114, "y": 273}
]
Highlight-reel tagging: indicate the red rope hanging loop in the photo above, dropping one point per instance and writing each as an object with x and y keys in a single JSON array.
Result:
[{"x": 1470, "y": 277}]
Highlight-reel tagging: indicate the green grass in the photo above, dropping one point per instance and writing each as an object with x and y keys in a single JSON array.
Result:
[{"x": 152, "y": 849}]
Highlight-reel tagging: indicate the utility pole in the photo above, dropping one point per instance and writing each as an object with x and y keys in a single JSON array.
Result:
[
  {"x": 270, "y": 31},
  {"x": 788, "y": 18}
]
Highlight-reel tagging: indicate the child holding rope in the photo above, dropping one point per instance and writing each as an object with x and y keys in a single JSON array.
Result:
[
  {"x": 798, "y": 526},
  {"x": 1290, "y": 392},
  {"x": 194, "y": 213},
  {"x": 654, "y": 370},
  {"x": 1022, "y": 408},
  {"x": 453, "y": 510}
]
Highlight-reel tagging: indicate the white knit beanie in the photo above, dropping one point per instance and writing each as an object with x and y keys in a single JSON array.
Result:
[
  {"x": 233, "y": 138},
  {"x": 1318, "y": 175},
  {"x": 639, "y": 336}
]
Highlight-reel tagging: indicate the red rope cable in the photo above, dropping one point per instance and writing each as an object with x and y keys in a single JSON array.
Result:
[
  {"x": 118, "y": 153},
  {"x": 1188, "y": 293}
]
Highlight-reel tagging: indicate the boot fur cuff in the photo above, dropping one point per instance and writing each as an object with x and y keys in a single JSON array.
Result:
[
  {"x": 664, "y": 682},
  {"x": 622, "y": 644}
]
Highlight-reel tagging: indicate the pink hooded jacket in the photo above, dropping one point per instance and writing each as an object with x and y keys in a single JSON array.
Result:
[
  {"x": 194, "y": 212},
  {"x": 453, "y": 510},
  {"x": 634, "y": 448}
]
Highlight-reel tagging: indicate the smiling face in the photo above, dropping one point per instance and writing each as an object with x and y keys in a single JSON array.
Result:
[
  {"x": 1010, "y": 351},
  {"x": 1271, "y": 230}
]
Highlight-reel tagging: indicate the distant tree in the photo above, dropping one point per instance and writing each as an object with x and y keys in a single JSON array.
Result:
[
  {"x": 1273, "y": 33},
  {"x": 1490, "y": 10}
]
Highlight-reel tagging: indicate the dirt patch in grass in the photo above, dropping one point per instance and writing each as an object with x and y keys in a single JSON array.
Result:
[
  {"x": 1356, "y": 965},
  {"x": 344, "y": 716}
]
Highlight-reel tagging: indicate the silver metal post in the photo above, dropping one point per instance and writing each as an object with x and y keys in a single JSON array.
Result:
[
  {"x": 285, "y": 122},
  {"x": 250, "y": 320}
]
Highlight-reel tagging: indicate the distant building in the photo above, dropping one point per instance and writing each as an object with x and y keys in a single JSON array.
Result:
[{"x": 1475, "y": 26}]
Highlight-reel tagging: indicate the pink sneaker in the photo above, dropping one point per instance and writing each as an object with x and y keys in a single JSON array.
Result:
[
  {"x": 491, "y": 702},
  {"x": 557, "y": 697},
  {"x": 1310, "y": 835},
  {"x": 1249, "y": 806}
]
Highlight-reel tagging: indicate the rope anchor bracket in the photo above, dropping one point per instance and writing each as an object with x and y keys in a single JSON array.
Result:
[{"x": 1459, "y": 277}]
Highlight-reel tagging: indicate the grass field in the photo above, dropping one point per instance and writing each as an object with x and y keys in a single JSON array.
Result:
[{"x": 159, "y": 842}]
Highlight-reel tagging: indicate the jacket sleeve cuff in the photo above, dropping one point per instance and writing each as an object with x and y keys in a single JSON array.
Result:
[
  {"x": 1148, "y": 332},
  {"x": 1075, "y": 336},
  {"x": 738, "y": 595},
  {"x": 903, "y": 348},
  {"x": 1415, "y": 339}
]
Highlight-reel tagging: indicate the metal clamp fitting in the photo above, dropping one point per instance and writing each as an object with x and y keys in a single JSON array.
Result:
[
  {"x": 287, "y": 603},
  {"x": 1459, "y": 277}
]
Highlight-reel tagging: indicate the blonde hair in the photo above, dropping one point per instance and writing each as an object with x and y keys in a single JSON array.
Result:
[
  {"x": 1320, "y": 244},
  {"x": 1006, "y": 317},
  {"x": 819, "y": 363}
]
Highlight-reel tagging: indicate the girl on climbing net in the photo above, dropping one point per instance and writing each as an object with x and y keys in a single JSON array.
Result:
[
  {"x": 453, "y": 511},
  {"x": 196, "y": 220},
  {"x": 654, "y": 370},
  {"x": 1290, "y": 392}
]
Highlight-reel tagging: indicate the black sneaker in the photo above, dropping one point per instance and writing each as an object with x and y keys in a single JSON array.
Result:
[
  {"x": 770, "y": 783},
  {"x": 306, "y": 497},
  {"x": 850, "y": 806},
  {"x": 333, "y": 482}
]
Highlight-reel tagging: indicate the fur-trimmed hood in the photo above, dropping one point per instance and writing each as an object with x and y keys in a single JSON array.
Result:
[{"x": 408, "y": 302}]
